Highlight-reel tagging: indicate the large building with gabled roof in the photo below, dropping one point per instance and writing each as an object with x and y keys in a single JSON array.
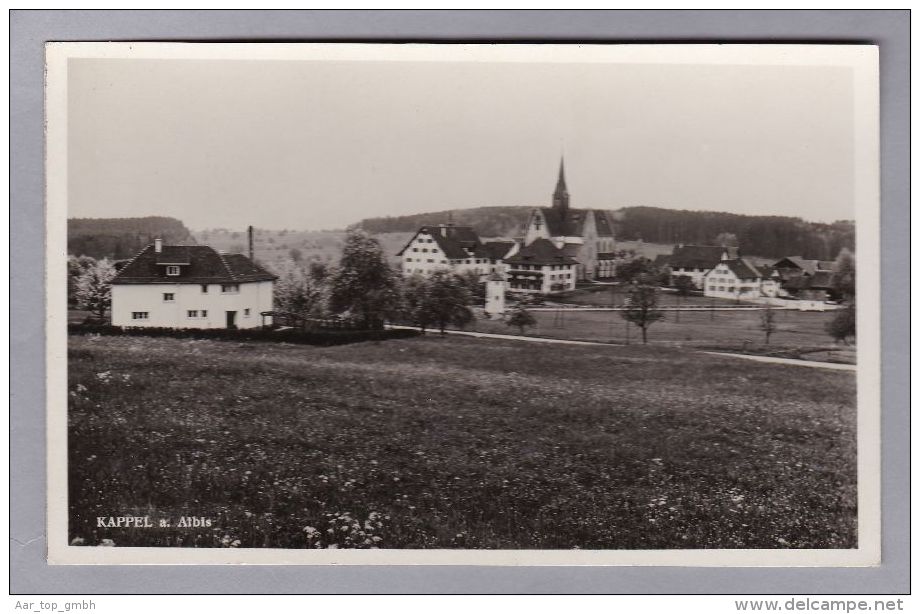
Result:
[{"x": 190, "y": 286}]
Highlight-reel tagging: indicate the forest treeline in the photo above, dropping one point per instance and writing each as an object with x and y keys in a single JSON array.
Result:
[
  {"x": 758, "y": 235},
  {"x": 117, "y": 238}
]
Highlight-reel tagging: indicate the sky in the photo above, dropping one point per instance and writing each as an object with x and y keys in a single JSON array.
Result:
[{"x": 312, "y": 145}]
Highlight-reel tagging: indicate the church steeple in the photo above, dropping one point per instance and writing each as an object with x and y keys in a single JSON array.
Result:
[{"x": 561, "y": 194}]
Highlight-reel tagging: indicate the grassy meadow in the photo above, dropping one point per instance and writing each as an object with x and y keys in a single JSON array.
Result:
[{"x": 448, "y": 442}]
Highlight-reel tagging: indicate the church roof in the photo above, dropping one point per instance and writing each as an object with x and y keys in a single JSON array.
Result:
[
  {"x": 569, "y": 222},
  {"x": 541, "y": 251}
]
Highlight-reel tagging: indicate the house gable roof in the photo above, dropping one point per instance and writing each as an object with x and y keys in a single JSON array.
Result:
[
  {"x": 698, "y": 256},
  {"x": 199, "y": 264},
  {"x": 494, "y": 250},
  {"x": 541, "y": 252},
  {"x": 454, "y": 241}
]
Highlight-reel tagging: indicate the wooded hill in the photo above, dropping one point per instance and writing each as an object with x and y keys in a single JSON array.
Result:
[
  {"x": 118, "y": 238},
  {"x": 769, "y": 236}
]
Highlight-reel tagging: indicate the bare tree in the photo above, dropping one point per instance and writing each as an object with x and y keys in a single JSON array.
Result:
[
  {"x": 521, "y": 318},
  {"x": 642, "y": 307},
  {"x": 768, "y": 323}
]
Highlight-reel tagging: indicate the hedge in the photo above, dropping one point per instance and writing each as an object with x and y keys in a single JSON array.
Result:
[{"x": 317, "y": 337}]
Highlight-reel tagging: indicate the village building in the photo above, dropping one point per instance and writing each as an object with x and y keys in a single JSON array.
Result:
[
  {"x": 190, "y": 286},
  {"x": 453, "y": 248},
  {"x": 809, "y": 280},
  {"x": 585, "y": 235},
  {"x": 740, "y": 279},
  {"x": 694, "y": 261},
  {"x": 541, "y": 267}
]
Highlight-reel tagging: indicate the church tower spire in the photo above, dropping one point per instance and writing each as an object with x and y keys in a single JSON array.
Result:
[{"x": 561, "y": 194}]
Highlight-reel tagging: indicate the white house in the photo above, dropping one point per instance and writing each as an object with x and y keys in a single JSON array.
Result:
[
  {"x": 190, "y": 286},
  {"x": 453, "y": 248},
  {"x": 695, "y": 261},
  {"x": 740, "y": 279},
  {"x": 541, "y": 267}
]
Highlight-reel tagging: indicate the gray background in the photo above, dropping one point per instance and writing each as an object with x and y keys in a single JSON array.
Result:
[{"x": 31, "y": 29}]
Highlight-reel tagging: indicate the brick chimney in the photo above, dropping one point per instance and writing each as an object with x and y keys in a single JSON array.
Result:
[{"x": 158, "y": 245}]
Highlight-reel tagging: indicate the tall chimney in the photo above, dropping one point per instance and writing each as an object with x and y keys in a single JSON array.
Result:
[
  {"x": 250, "y": 244},
  {"x": 158, "y": 245}
]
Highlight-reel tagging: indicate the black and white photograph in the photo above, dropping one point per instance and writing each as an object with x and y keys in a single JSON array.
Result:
[{"x": 463, "y": 304}]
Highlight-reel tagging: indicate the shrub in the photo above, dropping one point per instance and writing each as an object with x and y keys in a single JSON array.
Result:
[{"x": 316, "y": 337}]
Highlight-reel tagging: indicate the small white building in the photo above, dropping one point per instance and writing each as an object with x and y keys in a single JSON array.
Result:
[
  {"x": 740, "y": 279},
  {"x": 541, "y": 267},
  {"x": 190, "y": 286}
]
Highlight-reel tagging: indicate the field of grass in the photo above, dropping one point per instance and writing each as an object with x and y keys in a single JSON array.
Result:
[
  {"x": 727, "y": 330},
  {"x": 456, "y": 443}
]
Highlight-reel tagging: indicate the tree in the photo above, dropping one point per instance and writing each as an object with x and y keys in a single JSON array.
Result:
[
  {"x": 768, "y": 323},
  {"x": 415, "y": 301},
  {"x": 320, "y": 271},
  {"x": 727, "y": 239},
  {"x": 638, "y": 269},
  {"x": 521, "y": 318},
  {"x": 295, "y": 254},
  {"x": 844, "y": 279},
  {"x": 448, "y": 300},
  {"x": 94, "y": 289},
  {"x": 684, "y": 285},
  {"x": 76, "y": 266},
  {"x": 642, "y": 307},
  {"x": 296, "y": 292},
  {"x": 364, "y": 285},
  {"x": 843, "y": 324}
]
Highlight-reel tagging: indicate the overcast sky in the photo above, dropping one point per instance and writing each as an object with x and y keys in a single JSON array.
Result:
[{"x": 320, "y": 145}]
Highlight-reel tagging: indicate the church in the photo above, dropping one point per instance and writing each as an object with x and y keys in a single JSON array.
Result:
[
  {"x": 559, "y": 247},
  {"x": 585, "y": 235}
]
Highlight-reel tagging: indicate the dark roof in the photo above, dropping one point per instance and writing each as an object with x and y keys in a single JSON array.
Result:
[
  {"x": 541, "y": 251},
  {"x": 199, "y": 264},
  {"x": 698, "y": 256},
  {"x": 604, "y": 226},
  {"x": 571, "y": 249},
  {"x": 494, "y": 250},
  {"x": 606, "y": 255},
  {"x": 821, "y": 280},
  {"x": 569, "y": 222},
  {"x": 766, "y": 270},
  {"x": 453, "y": 240},
  {"x": 808, "y": 266},
  {"x": 743, "y": 269}
]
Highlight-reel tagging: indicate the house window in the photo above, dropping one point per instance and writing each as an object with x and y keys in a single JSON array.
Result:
[
  {"x": 230, "y": 288},
  {"x": 246, "y": 313},
  {"x": 192, "y": 313},
  {"x": 169, "y": 297},
  {"x": 172, "y": 270},
  {"x": 204, "y": 288},
  {"x": 204, "y": 313},
  {"x": 140, "y": 315}
]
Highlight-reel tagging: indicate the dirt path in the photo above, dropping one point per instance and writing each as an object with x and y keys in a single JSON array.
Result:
[
  {"x": 769, "y": 359},
  {"x": 789, "y": 361}
]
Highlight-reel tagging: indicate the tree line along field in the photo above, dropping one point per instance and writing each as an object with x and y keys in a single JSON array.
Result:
[
  {"x": 449, "y": 442},
  {"x": 727, "y": 329}
]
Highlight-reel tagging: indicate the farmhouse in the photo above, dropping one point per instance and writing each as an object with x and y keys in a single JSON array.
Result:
[
  {"x": 738, "y": 278},
  {"x": 541, "y": 267},
  {"x": 453, "y": 248},
  {"x": 695, "y": 261},
  {"x": 190, "y": 286},
  {"x": 585, "y": 235}
]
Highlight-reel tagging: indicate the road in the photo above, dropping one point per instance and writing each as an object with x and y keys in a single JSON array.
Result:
[{"x": 767, "y": 359}]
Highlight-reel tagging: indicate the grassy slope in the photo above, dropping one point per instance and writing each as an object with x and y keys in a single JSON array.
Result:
[{"x": 458, "y": 443}]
